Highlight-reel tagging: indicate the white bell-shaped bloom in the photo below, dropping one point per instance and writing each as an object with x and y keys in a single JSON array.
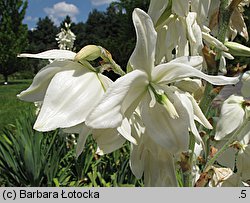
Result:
[
  {"x": 162, "y": 105},
  {"x": 177, "y": 29},
  {"x": 231, "y": 117},
  {"x": 234, "y": 118},
  {"x": 150, "y": 159},
  {"x": 68, "y": 91}
]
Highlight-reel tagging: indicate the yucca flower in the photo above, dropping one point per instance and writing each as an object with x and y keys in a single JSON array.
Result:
[
  {"x": 162, "y": 105},
  {"x": 66, "y": 38},
  {"x": 68, "y": 91},
  {"x": 148, "y": 159},
  {"x": 234, "y": 118}
]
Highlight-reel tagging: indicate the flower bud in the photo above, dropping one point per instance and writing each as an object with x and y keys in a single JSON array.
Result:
[
  {"x": 89, "y": 53},
  {"x": 237, "y": 49}
]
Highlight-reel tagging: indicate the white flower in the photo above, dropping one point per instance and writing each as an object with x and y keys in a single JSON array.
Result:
[
  {"x": 231, "y": 118},
  {"x": 68, "y": 91},
  {"x": 108, "y": 140},
  {"x": 180, "y": 7},
  {"x": 224, "y": 51},
  {"x": 201, "y": 7},
  {"x": 234, "y": 118},
  {"x": 245, "y": 90},
  {"x": 162, "y": 105},
  {"x": 66, "y": 38},
  {"x": 177, "y": 31},
  {"x": 149, "y": 158},
  {"x": 157, "y": 8}
]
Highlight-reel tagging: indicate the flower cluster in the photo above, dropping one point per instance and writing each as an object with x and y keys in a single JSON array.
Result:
[
  {"x": 155, "y": 104},
  {"x": 66, "y": 38}
]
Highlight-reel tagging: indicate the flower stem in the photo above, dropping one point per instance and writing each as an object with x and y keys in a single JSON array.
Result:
[
  {"x": 116, "y": 68},
  {"x": 225, "y": 12},
  {"x": 226, "y": 146}
]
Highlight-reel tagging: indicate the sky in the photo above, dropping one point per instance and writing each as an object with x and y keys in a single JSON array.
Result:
[{"x": 78, "y": 10}]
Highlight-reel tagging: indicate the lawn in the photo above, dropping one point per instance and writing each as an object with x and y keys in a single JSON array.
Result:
[{"x": 10, "y": 106}]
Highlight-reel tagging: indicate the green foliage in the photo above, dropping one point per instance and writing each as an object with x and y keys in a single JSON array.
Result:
[
  {"x": 108, "y": 170},
  {"x": 43, "y": 37},
  {"x": 13, "y": 34},
  {"x": 10, "y": 106},
  {"x": 31, "y": 158}
]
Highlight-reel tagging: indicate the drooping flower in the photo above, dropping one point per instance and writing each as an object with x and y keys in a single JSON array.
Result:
[
  {"x": 149, "y": 158},
  {"x": 233, "y": 114},
  {"x": 162, "y": 105},
  {"x": 234, "y": 118},
  {"x": 68, "y": 91}
]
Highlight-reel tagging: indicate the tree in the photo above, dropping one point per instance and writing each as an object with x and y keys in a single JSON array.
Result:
[
  {"x": 79, "y": 30},
  {"x": 114, "y": 30},
  {"x": 13, "y": 35},
  {"x": 41, "y": 39}
]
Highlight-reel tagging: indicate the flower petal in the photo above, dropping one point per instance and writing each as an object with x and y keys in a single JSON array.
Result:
[
  {"x": 245, "y": 90},
  {"x": 187, "y": 104},
  {"x": 198, "y": 114},
  {"x": 159, "y": 170},
  {"x": 108, "y": 140},
  {"x": 83, "y": 135},
  {"x": 125, "y": 131},
  {"x": 143, "y": 56},
  {"x": 41, "y": 81},
  {"x": 194, "y": 61},
  {"x": 230, "y": 110},
  {"x": 122, "y": 96},
  {"x": 162, "y": 128},
  {"x": 52, "y": 54},
  {"x": 180, "y": 7},
  {"x": 170, "y": 72},
  {"x": 201, "y": 8},
  {"x": 157, "y": 8},
  {"x": 137, "y": 152},
  {"x": 153, "y": 160},
  {"x": 136, "y": 161},
  {"x": 70, "y": 97},
  {"x": 214, "y": 42}
]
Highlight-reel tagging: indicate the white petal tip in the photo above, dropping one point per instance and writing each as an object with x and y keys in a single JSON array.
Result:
[{"x": 99, "y": 152}]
